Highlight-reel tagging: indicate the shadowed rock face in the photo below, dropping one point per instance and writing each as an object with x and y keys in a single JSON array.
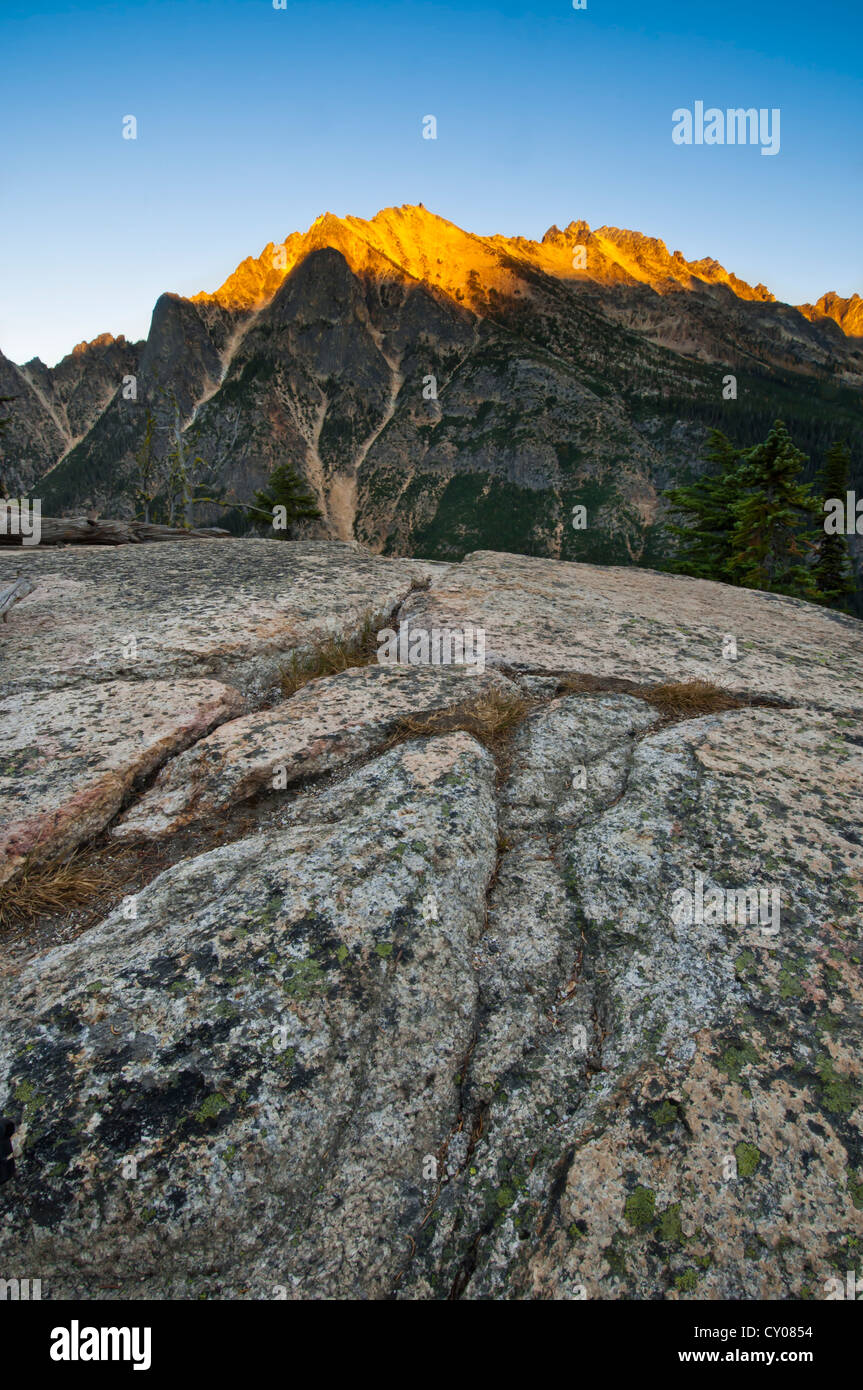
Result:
[
  {"x": 450, "y": 1021},
  {"x": 51, "y": 408}
]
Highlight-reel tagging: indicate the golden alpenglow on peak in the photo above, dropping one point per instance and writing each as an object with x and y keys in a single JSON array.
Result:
[
  {"x": 848, "y": 313},
  {"x": 412, "y": 242}
]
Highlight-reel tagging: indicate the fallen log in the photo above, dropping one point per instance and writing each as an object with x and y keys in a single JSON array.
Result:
[
  {"x": 81, "y": 530},
  {"x": 172, "y": 533},
  {"x": 20, "y": 589}
]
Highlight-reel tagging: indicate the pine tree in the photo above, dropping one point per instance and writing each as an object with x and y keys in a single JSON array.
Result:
[
  {"x": 773, "y": 520},
  {"x": 186, "y": 479},
  {"x": 832, "y": 569},
  {"x": 284, "y": 501},
  {"x": 704, "y": 540}
]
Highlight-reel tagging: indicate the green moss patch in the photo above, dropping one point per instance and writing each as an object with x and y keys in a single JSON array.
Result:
[
  {"x": 640, "y": 1207},
  {"x": 748, "y": 1158}
]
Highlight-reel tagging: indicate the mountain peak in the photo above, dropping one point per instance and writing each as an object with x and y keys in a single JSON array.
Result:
[
  {"x": 101, "y": 340},
  {"x": 848, "y": 313},
  {"x": 411, "y": 241}
]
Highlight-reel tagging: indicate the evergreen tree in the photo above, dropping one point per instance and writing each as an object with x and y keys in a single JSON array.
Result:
[
  {"x": 832, "y": 569},
  {"x": 284, "y": 501},
  {"x": 186, "y": 480},
  {"x": 773, "y": 520},
  {"x": 704, "y": 538}
]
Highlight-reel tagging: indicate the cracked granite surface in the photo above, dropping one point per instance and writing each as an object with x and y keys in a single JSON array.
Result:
[{"x": 435, "y": 1029}]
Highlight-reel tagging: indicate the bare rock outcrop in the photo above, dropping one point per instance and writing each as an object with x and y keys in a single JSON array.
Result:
[
  {"x": 564, "y": 1006},
  {"x": 326, "y": 723},
  {"x": 71, "y": 756}
]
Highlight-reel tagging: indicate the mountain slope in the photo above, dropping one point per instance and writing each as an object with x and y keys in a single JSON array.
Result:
[
  {"x": 441, "y": 391},
  {"x": 52, "y": 408}
]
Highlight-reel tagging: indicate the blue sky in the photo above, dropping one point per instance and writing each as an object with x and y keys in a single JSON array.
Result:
[{"x": 252, "y": 121}]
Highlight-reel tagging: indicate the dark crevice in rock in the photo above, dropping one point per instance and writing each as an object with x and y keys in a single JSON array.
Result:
[{"x": 588, "y": 969}]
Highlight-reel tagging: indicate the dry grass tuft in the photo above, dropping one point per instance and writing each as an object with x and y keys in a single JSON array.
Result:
[
  {"x": 579, "y": 684},
  {"x": 333, "y": 655},
  {"x": 52, "y": 889},
  {"x": 674, "y": 699},
  {"x": 83, "y": 888},
  {"x": 688, "y": 699},
  {"x": 490, "y": 717}
]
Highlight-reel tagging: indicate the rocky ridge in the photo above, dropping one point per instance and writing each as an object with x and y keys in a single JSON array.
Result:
[
  {"x": 848, "y": 313},
  {"x": 52, "y": 408},
  {"x": 442, "y": 392}
]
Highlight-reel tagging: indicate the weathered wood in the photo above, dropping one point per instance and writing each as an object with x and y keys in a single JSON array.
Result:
[
  {"x": 20, "y": 589},
  {"x": 81, "y": 530},
  {"x": 144, "y": 532}
]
